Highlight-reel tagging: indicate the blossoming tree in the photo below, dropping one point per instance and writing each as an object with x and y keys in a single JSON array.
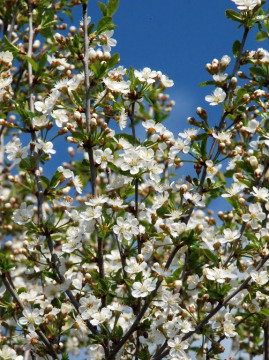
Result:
[{"x": 113, "y": 252}]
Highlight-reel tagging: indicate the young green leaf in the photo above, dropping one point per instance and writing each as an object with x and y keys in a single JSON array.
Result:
[
  {"x": 102, "y": 8},
  {"x": 236, "y": 47},
  {"x": 112, "y": 7}
]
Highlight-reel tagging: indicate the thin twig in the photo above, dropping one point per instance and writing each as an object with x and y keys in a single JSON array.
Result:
[
  {"x": 139, "y": 247},
  {"x": 131, "y": 116},
  {"x": 88, "y": 96},
  {"x": 10, "y": 27},
  {"x": 100, "y": 245},
  {"x": 40, "y": 193}
]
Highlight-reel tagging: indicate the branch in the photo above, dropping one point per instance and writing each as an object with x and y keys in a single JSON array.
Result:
[
  {"x": 131, "y": 116},
  {"x": 40, "y": 194},
  {"x": 266, "y": 340},
  {"x": 88, "y": 95},
  {"x": 10, "y": 27},
  {"x": 40, "y": 333}
]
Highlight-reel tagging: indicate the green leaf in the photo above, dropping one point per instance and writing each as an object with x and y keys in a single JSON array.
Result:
[
  {"x": 78, "y": 101},
  {"x": 31, "y": 61},
  {"x": 205, "y": 83},
  {"x": 91, "y": 28},
  {"x": 112, "y": 7},
  {"x": 117, "y": 332},
  {"x": 5, "y": 263},
  {"x": 236, "y": 48},
  {"x": 102, "y": 8},
  {"x": 105, "y": 24},
  {"x": 233, "y": 202},
  {"x": 113, "y": 61},
  {"x": 209, "y": 254},
  {"x": 234, "y": 15},
  {"x": 264, "y": 312},
  {"x": 257, "y": 71},
  {"x": 240, "y": 93},
  {"x": 148, "y": 99},
  {"x": 42, "y": 63},
  {"x": 45, "y": 180},
  {"x": 103, "y": 285},
  {"x": 196, "y": 148},
  {"x": 164, "y": 210},
  {"x": 262, "y": 35},
  {"x": 128, "y": 282},
  {"x": 98, "y": 69},
  {"x": 10, "y": 47},
  {"x": 65, "y": 356}
]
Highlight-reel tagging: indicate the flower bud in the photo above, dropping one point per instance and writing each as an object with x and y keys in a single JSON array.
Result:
[
  {"x": 72, "y": 29},
  {"x": 241, "y": 75},
  {"x": 202, "y": 113},
  {"x": 209, "y": 68},
  {"x": 233, "y": 82},
  {"x": 36, "y": 44},
  {"x": 224, "y": 62},
  {"x": 253, "y": 162}
]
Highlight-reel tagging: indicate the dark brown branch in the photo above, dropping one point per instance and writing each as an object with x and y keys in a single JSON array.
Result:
[
  {"x": 100, "y": 245},
  {"x": 266, "y": 340}
]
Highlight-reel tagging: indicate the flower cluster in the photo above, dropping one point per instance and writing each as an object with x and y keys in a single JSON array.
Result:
[{"x": 115, "y": 250}]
